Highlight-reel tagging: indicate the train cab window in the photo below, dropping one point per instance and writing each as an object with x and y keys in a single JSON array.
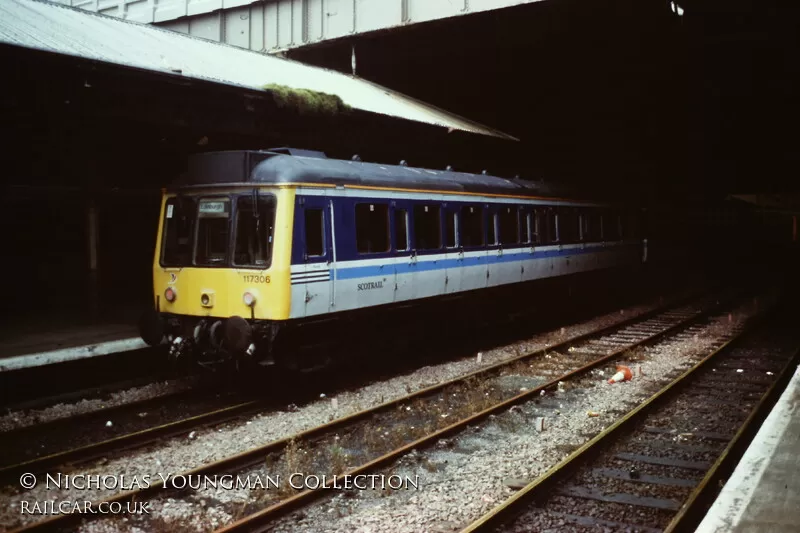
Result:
[
  {"x": 213, "y": 225},
  {"x": 372, "y": 228},
  {"x": 450, "y": 229},
  {"x": 315, "y": 232},
  {"x": 401, "y": 230},
  {"x": 427, "y": 227},
  {"x": 179, "y": 219},
  {"x": 508, "y": 225},
  {"x": 471, "y": 226},
  {"x": 255, "y": 219}
]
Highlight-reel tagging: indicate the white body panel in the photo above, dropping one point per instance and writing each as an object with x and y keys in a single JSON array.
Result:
[{"x": 366, "y": 282}]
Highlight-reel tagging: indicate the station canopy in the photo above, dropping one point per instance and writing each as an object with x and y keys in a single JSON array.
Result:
[{"x": 75, "y": 32}]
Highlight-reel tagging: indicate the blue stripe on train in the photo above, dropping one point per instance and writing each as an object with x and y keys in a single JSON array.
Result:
[{"x": 355, "y": 272}]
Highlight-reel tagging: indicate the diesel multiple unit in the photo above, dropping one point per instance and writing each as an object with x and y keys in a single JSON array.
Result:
[{"x": 261, "y": 251}]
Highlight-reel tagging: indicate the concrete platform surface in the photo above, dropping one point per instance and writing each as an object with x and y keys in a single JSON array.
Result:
[
  {"x": 763, "y": 493},
  {"x": 29, "y": 350}
]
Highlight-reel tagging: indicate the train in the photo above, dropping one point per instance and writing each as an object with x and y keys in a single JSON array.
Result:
[{"x": 261, "y": 251}]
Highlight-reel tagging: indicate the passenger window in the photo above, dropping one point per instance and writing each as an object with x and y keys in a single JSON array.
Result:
[
  {"x": 630, "y": 226},
  {"x": 427, "y": 227},
  {"x": 537, "y": 227},
  {"x": 508, "y": 225},
  {"x": 527, "y": 231},
  {"x": 372, "y": 228},
  {"x": 492, "y": 229},
  {"x": 552, "y": 226},
  {"x": 401, "y": 229},
  {"x": 583, "y": 221},
  {"x": 568, "y": 227},
  {"x": 471, "y": 226},
  {"x": 450, "y": 230},
  {"x": 315, "y": 232},
  {"x": 611, "y": 227},
  {"x": 592, "y": 227}
]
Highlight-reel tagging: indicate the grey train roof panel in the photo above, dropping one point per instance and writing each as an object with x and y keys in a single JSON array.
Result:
[{"x": 269, "y": 167}]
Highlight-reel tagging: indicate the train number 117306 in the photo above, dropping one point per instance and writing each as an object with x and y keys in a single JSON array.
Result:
[{"x": 255, "y": 278}]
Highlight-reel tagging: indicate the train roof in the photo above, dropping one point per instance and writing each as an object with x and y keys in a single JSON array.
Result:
[{"x": 293, "y": 166}]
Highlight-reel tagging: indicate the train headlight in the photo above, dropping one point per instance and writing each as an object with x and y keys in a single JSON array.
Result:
[
  {"x": 249, "y": 298},
  {"x": 207, "y": 298},
  {"x": 170, "y": 295}
]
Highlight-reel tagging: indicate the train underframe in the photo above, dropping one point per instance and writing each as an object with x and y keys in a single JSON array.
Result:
[{"x": 317, "y": 342}]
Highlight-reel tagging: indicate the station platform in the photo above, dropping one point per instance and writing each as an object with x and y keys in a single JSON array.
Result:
[
  {"x": 24, "y": 347},
  {"x": 763, "y": 493}
]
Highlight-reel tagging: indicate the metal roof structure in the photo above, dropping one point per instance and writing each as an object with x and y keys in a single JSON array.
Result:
[{"x": 51, "y": 27}]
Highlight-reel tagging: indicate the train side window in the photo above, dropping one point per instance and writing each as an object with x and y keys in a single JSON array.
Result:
[
  {"x": 451, "y": 229},
  {"x": 508, "y": 225},
  {"x": 372, "y": 228},
  {"x": 630, "y": 226},
  {"x": 568, "y": 227},
  {"x": 583, "y": 222},
  {"x": 492, "y": 240},
  {"x": 401, "y": 230},
  {"x": 611, "y": 228},
  {"x": 539, "y": 226},
  {"x": 427, "y": 227},
  {"x": 591, "y": 230},
  {"x": 527, "y": 228},
  {"x": 552, "y": 226},
  {"x": 315, "y": 233},
  {"x": 472, "y": 226}
]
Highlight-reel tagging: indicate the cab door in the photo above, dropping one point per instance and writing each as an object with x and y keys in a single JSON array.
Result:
[{"x": 313, "y": 285}]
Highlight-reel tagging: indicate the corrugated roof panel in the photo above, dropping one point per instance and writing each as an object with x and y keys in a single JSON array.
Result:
[{"x": 65, "y": 30}]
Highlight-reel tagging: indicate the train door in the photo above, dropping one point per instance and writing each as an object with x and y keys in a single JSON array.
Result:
[
  {"x": 314, "y": 281},
  {"x": 472, "y": 247},
  {"x": 495, "y": 268},
  {"x": 507, "y": 256},
  {"x": 404, "y": 262},
  {"x": 529, "y": 226},
  {"x": 428, "y": 270},
  {"x": 454, "y": 251}
]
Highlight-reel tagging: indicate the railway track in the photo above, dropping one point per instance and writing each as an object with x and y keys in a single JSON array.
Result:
[
  {"x": 657, "y": 469},
  {"x": 73, "y": 440},
  {"x": 545, "y": 369}
]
